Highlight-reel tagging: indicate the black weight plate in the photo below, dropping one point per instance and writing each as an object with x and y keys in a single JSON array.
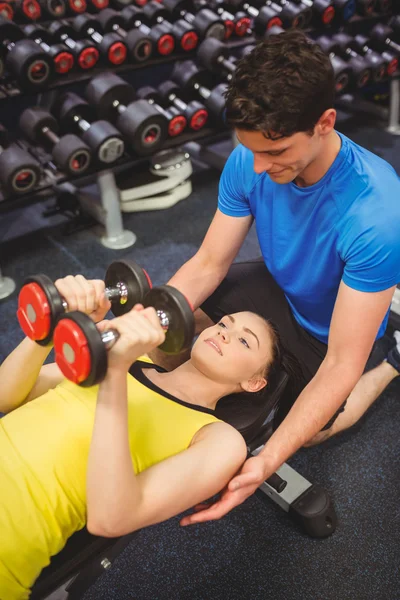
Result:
[
  {"x": 173, "y": 303},
  {"x": 134, "y": 277},
  {"x": 55, "y": 303},
  {"x": 96, "y": 347}
]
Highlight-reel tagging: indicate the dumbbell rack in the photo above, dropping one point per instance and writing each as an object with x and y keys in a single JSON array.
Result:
[{"x": 52, "y": 181}]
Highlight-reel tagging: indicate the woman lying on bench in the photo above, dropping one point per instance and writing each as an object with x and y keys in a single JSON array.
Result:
[{"x": 141, "y": 447}]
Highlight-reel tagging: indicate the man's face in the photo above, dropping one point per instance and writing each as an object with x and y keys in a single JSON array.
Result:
[{"x": 282, "y": 159}]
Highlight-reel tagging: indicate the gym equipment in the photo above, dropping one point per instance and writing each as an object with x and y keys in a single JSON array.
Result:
[
  {"x": 159, "y": 36},
  {"x": 40, "y": 305},
  {"x": 6, "y": 10},
  {"x": 69, "y": 152},
  {"x": 63, "y": 59},
  {"x": 110, "y": 45},
  {"x": 86, "y": 55},
  {"x": 376, "y": 62},
  {"x": 322, "y": 11},
  {"x": 285, "y": 14},
  {"x": 81, "y": 350},
  {"x": 229, "y": 20},
  {"x": 141, "y": 123},
  {"x": 365, "y": 7},
  {"x": 184, "y": 33},
  {"x": 102, "y": 137},
  {"x": 360, "y": 44},
  {"x": 19, "y": 172},
  {"x": 213, "y": 56},
  {"x": 26, "y": 61},
  {"x": 381, "y": 37},
  {"x": 129, "y": 26},
  {"x": 196, "y": 114},
  {"x": 55, "y": 9},
  {"x": 28, "y": 10},
  {"x": 176, "y": 120},
  {"x": 166, "y": 182},
  {"x": 360, "y": 72},
  {"x": 193, "y": 80},
  {"x": 205, "y": 22}
]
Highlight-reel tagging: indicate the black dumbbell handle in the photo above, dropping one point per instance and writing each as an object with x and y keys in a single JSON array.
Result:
[{"x": 119, "y": 291}]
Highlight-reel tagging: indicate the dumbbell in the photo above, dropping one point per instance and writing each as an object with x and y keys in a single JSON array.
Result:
[
  {"x": 28, "y": 10},
  {"x": 228, "y": 19},
  {"x": 382, "y": 37},
  {"x": 6, "y": 10},
  {"x": 40, "y": 305},
  {"x": 85, "y": 53},
  {"x": 81, "y": 350},
  {"x": 322, "y": 11},
  {"x": 24, "y": 59},
  {"x": 341, "y": 68},
  {"x": 55, "y": 9},
  {"x": 344, "y": 10},
  {"x": 175, "y": 118},
  {"x": 193, "y": 80},
  {"x": 365, "y": 7},
  {"x": 160, "y": 35},
  {"x": 183, "y": 32},
  {"x": 268, "y": 14},
  {"x": 110, "y": 45},
  {"x": 376, "y": 62},
  {"x": 195, "y": 113},
  {"x": 141, "y": 123},
  {"x": 360, "y": 69},
  {"x": 213, "y": 56},
  {"x": 69, "y": 152},
  {"x": 104, "y": 140},
  {"x": 395, "y": 25},
  {"x": 360, "y": 44},
  {"x": 205, "y": 22},
  {"x": 128, "y": 24},
  {"x": 19, "y": 172},
  {"x": 63, "y": 59}
]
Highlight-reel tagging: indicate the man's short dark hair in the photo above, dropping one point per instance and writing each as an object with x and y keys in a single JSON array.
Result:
[{"x": 281, "y": 87}]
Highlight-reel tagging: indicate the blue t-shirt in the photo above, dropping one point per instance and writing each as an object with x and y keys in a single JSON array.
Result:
[{"x": 344, "y": 227}]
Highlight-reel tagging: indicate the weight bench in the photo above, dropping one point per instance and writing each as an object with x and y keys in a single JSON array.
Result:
[{"x": 85, "y": 557}]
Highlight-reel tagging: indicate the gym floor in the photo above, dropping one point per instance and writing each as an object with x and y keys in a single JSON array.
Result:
[{"x": 256, "y": 551}]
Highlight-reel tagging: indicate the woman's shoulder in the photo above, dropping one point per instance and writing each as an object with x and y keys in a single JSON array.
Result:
[{"x": 224, "y": 433}]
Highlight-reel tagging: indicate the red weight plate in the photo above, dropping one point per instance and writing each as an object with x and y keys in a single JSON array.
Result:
[
  {"x": 71, "y": 351},
  {"x": 34, "y": 314}
]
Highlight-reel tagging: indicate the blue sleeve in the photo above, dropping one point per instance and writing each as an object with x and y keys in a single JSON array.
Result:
[
  {"x": 372, "y": 252},
  {"x": 234, "y": 184}
]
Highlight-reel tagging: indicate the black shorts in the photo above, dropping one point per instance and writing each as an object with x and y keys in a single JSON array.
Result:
[{"x": 250, "y": 286}]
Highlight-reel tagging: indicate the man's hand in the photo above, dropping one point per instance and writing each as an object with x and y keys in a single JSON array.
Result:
[{"x": 253, "y": 473}]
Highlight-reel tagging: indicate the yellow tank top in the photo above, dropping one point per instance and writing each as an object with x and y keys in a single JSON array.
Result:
[{"x": 44, "y": 448}]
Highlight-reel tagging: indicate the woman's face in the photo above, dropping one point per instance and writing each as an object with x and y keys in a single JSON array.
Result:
[{"x": 235, "y": 350}]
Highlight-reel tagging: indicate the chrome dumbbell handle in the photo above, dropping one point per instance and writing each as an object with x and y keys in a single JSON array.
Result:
[
  {"x": 111, "y": 336},
  {"x": 119, "y": 291}
]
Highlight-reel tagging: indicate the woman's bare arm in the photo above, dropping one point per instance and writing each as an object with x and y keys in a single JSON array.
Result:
[
  {"x": 119, "y": 502},
  {"x": 23, "y": 376}
]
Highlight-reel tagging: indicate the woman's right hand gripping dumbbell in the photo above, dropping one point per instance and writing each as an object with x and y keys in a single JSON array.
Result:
[{"x": 139, "y": 332}]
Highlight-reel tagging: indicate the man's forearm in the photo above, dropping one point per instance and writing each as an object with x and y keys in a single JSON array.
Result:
[
  {"x": 19, "y": 372},
  {"x": 316, "y": 404},
  {"x": 197, "y": 279}
]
